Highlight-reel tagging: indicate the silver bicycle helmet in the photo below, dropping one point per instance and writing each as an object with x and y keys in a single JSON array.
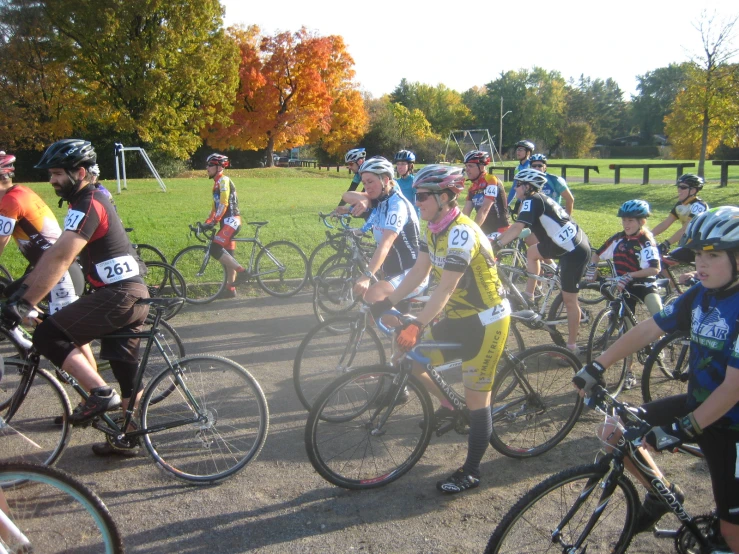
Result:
[
  {"x": 377, "y": 165},
  {"x": 532, "y": 177},
  {"x": 355, "y": 155},
  {"x": 716, "y": 229}
]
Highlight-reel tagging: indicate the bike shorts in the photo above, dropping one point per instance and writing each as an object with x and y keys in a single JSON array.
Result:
[
  {"x": 107, "y": 310},
  {"x": 720, "y": 446},
  {"x": 418, "y": 291},
  {"x": 572, "y": 266},
  {"x": 230, "y": 227},
  {"x": 485, "y": 342}
]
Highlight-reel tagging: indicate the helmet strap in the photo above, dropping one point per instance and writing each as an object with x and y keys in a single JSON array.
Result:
[{"x": 69, "y": 190}]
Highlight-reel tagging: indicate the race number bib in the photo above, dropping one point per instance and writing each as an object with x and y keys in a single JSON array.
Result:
[
  {"x": 73, "y": 220},
  {"x": 496, "y": 313},
  {"x": 648, "y": 254},
  {"x": 6, "y": 226},
  {"x": 231, "y": 222},
  {"x": 526, "y": 206},
  {"x": 565, "y": 234},
  {"x": 117, "y": 269},
  {"x": 697, "y": 209},
  {"x": 491, "y": 190}
]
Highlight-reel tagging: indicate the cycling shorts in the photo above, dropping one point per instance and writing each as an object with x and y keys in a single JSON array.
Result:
[
  {"x": 485, "y": 342},
  {"x": 720, "y": 446},
  {"x": 230, "y": 227},
  {"x": 419, "y": 290},
  {"x": 572, "y": 266}
]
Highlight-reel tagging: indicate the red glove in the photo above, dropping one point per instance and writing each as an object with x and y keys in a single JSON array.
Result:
[{"x": 409, "y": 335}]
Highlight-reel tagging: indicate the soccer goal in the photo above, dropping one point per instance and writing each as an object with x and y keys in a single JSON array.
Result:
[
  {"x": 120, "y": 165},
  {"x": 459, "y": 142}
]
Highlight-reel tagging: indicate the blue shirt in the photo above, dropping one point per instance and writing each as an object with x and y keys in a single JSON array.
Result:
[
  {"x": 555, "y": 187},
  {"x": 395, "y": 213},
  {"x": 512, "y": 193},
  {"x": 406, "y": 187}
]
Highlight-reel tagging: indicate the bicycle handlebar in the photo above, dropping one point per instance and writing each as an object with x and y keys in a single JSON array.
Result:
[
  {"x": 603, "y": 402},
  {"x": 198, "y": 230},
  {"x": 342, "y": 218}
]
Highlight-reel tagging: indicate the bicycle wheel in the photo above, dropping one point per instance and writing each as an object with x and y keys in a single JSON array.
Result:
[
  {"x": 514, "y": 343},
  {"x": 510, "y": 257},
  {"x": 57, "y": 513},
  {"x": 320, "y": 254},
  {"x": 607, "y": 329},
  {"x": 164, "y": 281},
  {"x": 333, "y": 292},
  {"x": 5, "y": 274},
  {"x": 344, "y": 439},
  {"x": 10, "y": 349},
  {"x": 589, "y": 293},
  {"x": 558, "y": 312},
  {"x": 553, "y": 515},
  {"x": 541, "y": 408},
  {"x": 281, "y": 268},
  {"x": 231, "y": 433},
  {"x": 666, "y": 370},
  {"x": 204, "y": 283},
  {"x": 149, "y": 253},
  {"x": 324, "y": 355},
  {"x": 30, "y": 433}
]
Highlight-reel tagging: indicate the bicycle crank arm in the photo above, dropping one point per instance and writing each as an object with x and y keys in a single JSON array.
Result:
[{"x": 666, "y": 533}]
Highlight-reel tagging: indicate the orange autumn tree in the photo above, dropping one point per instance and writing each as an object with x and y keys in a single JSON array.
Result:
[{"x": 295, "y": 88}]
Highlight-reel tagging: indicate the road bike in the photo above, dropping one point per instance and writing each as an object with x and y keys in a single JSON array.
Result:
[
  {"x": 336, "y": 244},
  {"x": 280, "y": 267},
  {"x": 45, "y": 510},
  {"x": 147, "y": 252},
  {"x": 593, "y": 508},
  {"x": 371, "y": 425},
  {"x": 208, "y": 414}
]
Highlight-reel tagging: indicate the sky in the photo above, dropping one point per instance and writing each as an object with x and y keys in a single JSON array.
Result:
[{"x": 470, "y": 44}]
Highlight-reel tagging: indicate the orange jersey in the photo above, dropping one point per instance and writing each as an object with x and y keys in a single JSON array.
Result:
[{"x": 25, "y": 216}]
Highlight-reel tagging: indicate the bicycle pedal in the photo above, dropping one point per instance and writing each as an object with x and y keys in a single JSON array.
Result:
[{"x": 443, "y": 429}]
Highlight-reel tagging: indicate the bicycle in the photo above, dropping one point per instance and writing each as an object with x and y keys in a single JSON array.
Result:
[
  {"x": 209, "y": 414},
  {"x": 594, "y": 507},
  {"x": 666, "y": 371},
  {"x": 280, "y": 267},
  {"x": 147, "y": 252},
  {"x": 364, "y": 431},
  {"x": 334, "y": 245},
  {"x": 49, "y": 511},
  {"x": 164, "y": 281}
]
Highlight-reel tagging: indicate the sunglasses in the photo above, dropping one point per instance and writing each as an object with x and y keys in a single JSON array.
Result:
[
  {"x": 537, "y": 166},
  {"x": 423, "y": 196},
  {"x": 682, "y": 187}
]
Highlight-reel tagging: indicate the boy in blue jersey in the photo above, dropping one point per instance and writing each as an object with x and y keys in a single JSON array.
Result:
[
  {"x": 709, "y": 413},
  {"x": 524, "y": 149},
  {"x": 404, "y": 166}
]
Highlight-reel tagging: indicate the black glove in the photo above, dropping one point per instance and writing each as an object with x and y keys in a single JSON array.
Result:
[
  {"x": 684, "y": 429},
  {"x": 12, "y": 312},
  {"x": 379, "y": 308},
  {"x": 590, "y": 375},
  {"x": 207, "y": 226},
  {"x": 664, "y": 247}
]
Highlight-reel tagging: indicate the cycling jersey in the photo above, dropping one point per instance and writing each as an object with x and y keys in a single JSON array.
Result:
[
  {"x": 631, "y": 253},
  {"x": 406, "y": 187},
  {"x": 108, "y": 256},
  {"x": 711, "y": 319},
  {"x": 685, "y": 211},
  {"x": 556, "y": 231},
  {"x": 488, "y": 186},
  {"x": 523, "y": 165},
  {"x": 463, "y": 247},
  {"x": 25, "y": 216},
  {"x": 396, "y": 214},
  {"x": 554, "y": 187},
  {"x": 225, "y": 201}
]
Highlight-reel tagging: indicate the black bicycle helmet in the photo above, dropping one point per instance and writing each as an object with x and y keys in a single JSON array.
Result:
[
  {"x": 692, "y": 180},
  {"x": 68, "y": 154},
  {"x": 527, "y": 144}
]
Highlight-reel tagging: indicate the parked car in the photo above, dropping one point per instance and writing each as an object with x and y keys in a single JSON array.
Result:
[{"x": 283, "y": 161}]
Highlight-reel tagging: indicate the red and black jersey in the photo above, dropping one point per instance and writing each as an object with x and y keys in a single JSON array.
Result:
[
  {"x": 108, "y": 256},
  {"x": 630, "y": 252}
]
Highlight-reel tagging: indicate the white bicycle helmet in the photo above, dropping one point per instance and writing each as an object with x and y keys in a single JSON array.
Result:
[
  {"x": 532, "y": 177},
  {"x": 218, "y": 159},
  {"x": 355, "y": 155},
  {"x": 716, "y": 229},
  {"x": 377, "y": 165}
]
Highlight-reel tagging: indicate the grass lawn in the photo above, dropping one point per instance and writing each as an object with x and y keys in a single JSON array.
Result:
[{"x": 290, "y": 199}]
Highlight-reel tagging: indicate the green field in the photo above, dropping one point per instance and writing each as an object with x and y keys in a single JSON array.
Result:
[{"x": 290, "y": 199}]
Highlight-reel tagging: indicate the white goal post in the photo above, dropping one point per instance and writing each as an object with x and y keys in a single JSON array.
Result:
[
  {"x": 471, "y": 139},
  {"x": 120, "y": 165}
]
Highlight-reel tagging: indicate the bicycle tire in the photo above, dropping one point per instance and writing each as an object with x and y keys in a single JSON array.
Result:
[
  {"x": 10, "y": 349},
  {"x": 58, "y": 513},
  {"x": 527, "y": 423},
  {"x": 607, "y": 329},
  {"x": 30, "y": 433},
  {"x": 339, "y": 437},
  {"x": 606, "y": 270},
  {"x": 318, "y": 255},
  {"x": 204, "y": 287},
  {"x": 514, "y": 343},
  {"x": 164, "y": 281},
  {"x": 333, "y": 292},
  {"x": 5, "y": 274},
  {"x": 510, "y": 257},
  {"x": 232, "y": 435},
  {"x": 281, "y": 268},
  {"x": 558, "y": 311},
  {"x": 149, "y": 253},
  {"x": 666, "y": 371},
  {"x": 529, "y": 525},
  {"x": 324, "y": 354}
]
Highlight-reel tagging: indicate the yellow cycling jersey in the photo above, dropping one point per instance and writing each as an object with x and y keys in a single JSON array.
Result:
[
  {"x": 685, "y": 211},
  {"x": 463, "y": 247}
]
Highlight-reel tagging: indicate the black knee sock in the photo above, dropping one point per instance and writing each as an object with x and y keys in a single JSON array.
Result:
[{"x": 481, "y": 427}]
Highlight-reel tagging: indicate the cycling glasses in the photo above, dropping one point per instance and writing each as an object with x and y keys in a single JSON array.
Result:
[
  {"x": 683, "y": 187},
  {"x": 537, "y": 166},
  {"x": 423, "y": 196}
]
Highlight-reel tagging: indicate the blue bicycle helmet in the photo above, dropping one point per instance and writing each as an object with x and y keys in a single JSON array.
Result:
[
  {"x": 634, "y": 208},
  {"x": 538, "y": 158},
  {"x": 405, "y": 156}
]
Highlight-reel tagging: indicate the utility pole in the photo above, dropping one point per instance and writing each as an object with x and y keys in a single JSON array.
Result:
[{"x": 500, "y": 134}]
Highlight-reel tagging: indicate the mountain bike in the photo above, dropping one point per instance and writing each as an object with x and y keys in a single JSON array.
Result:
[
  {"x": 50, "y": 511},
  {"x": 594, "y": 507},
  {"x": 371, "y": 425},
  {"x": 208, "y": 413},
  {"x": 280, "y": 267}
]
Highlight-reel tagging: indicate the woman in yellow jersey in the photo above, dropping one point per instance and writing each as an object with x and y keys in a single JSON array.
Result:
[{"x": 469, "y": 293}]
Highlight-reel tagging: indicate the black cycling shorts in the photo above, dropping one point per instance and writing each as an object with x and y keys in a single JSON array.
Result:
[{"x": 572, "y": 266}]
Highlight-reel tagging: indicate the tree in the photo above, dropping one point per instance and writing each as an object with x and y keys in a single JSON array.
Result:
[
  {"x": 577, "y": 139},
  {"x": 657, "y": 92},
  {"x": 442, "y": 107},
  {"x": 294, "y": 88},
  {"x": 600, "y": 104},
  {"x": 394, "y": 127}
]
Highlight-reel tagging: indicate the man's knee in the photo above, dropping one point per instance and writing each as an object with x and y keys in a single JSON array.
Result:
[
  {"x": 216, "y": 250},
  {"x": 51, "y": 343}
]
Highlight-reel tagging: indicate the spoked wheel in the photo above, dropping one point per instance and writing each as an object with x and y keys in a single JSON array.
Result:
[
  {"x": 666, "y": 371},
  {"x": 57, "y": 513},
  {"x": 347, "y": 442},
  {"x": 224, "y": 433},
  {"x": 164, "y": 281},
  {"x": 149, "y": 253},
  {"x": 204, "y": 276},
  {"x": 607, "y": 329},
  {"x": 281, "y": 268},
  {"x": 554, "y": 514},
  {"x": 535, "y": 406},
  {"x": 321, "y": 253},
  {"x": 333, "y": 293}
]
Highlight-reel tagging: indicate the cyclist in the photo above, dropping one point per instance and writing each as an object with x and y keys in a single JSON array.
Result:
[
  {"x": 486, "y": 194},
  {"x": 458, "y": 253},
  {"x": 404, "y": 165},
  {"x": 688, "y": 206},
  {"x": 524, "y": 149},
  {"x": 395, "y": 227},
  {"x": 636, "y": 259},
  {"x": 556, "y": 187},
  {"x": 559, "y": 237},
  {"x": 227, "y": 215},
  {"x": 709, "y": 413},
  {"x": 354, "y": 159},
  {"x": 93, "y": 232}
]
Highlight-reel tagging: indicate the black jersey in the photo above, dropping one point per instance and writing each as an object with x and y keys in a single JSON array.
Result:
[{"x": 557, "y": 232}]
